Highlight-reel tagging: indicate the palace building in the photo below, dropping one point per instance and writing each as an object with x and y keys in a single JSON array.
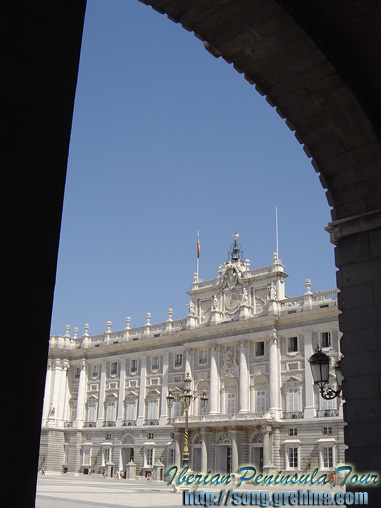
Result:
[{"x": 243, "y": 341}]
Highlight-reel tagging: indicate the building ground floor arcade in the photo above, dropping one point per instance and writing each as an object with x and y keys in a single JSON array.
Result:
[{"x": 218, "y": 446}]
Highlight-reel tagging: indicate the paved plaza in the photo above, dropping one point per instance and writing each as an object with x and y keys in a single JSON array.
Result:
[{"x": 58, "y": 491}]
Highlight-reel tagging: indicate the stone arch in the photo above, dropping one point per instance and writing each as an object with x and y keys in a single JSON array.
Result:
[{"x": 256, "y": 437}]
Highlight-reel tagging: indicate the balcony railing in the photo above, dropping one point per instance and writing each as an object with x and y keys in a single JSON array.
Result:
[
  {"x": 327, "y": 413},
  {"x": 68, "y": 424},
  {"x": 90, "y": 424},
  {"x": 152, "y": 422},
  {"x": 129, "y": 423},
  {"x": 107, "y": 423},
  {"x": 292, "y": 415}
]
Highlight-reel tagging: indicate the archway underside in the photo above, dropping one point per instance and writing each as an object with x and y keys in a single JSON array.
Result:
[{"x": 323, "y": 76}]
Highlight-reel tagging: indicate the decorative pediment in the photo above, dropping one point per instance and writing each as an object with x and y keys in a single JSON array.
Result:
[
  {"x": 293, "y": 379},
  {"x": 130, "y": 394}
]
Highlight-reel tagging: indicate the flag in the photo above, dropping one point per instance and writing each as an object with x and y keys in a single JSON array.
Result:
[{"x": 198, "y": 246}]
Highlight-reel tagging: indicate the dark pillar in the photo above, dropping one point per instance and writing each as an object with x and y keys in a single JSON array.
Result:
[{"x": 40, "y": 46}]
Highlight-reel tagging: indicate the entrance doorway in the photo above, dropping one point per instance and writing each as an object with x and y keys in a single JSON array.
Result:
[
  {"x": 224, "y": 459},
  {"x": 256, "y": 457},
  {"x": 197, "y": 459},
  {"x": 127, "y": 455}
]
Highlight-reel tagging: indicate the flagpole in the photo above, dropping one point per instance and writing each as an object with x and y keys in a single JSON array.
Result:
[
  {"x": 276, "y": 231},
  {"x": 198, "y": 253}
]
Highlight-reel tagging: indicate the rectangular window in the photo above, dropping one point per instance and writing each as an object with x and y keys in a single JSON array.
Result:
[
  {"x": 231, "y": 403},
  {"x": 149, "y": 435},
  {"x": 325, "y": 340},
  {"x": 114, "y": 369},
  {"x": 107, "y": 455},
  {"x": 293, "y": 458},
  {"x": 293, "y": 432},
  {"x": 86, "y": 456},
  {"x": 133, "y": 366},
  {"x": 292, "y": 344},
  {"x": 149, "y": 456},
  {"x": 77, "y": 373},
  {"x": 177, "y": 409},
  {"x": 73, "y": 412},
  {"x": 259, "y": 349},
  {"x": 327, "y": 430},
  {"x": 95, "y": 371},
  {"x": 111, "y": 411},
  {"x": 155, "y": 363},
  {"x": 92, "y": 412},
  {"x": 171, "y": 456},
  {"x": 203, "y": 357},
  {"x": 178, "y": 359},
  {"x": 260, "y": 401},
  {"x": 131, "y": 409},
  {"x": 293, "y": 400},
  {"x": 108, "y": 437},
  {"x": 152, "y": 409},
  {"x": 328, "y": 457}
]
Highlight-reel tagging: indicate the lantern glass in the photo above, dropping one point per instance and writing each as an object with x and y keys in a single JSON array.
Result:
[
  {"x": 170, "y": 398},
  {"x": 204, "y": 400},
  {"x": 187, "y": 381},
  {"x": 319, "y": 362},
  {"x": 339, "y": 375},
  {"x": 187, "y": 397}
]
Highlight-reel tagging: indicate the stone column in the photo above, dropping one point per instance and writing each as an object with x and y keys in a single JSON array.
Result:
[
  {"x": 309, "y": 409},
  {"x": 164, "y": 389},
  {"x": 243, "y": 379},
  {"x": 102, "y": 388},
  {"x": 204, "y": 451},
  {"x": 56, "y": 389},
  {"x": 178, "y": 461},
  {"x": 142, "y": 390},
  {"x": 82, "y": 388},
  {"x": 122, "y": 382},
  {"x": 62, "y": 393},
  {"x": 274, "y": 374},
  {"x": 48, "y": 388},
  {"x": 235, "y": 458},
  {"x": 213, "y": 398},
  {"x": 267, "y": 455}
]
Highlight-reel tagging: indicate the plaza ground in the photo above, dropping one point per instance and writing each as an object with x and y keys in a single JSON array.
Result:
[{"x": 64, "y": 491}]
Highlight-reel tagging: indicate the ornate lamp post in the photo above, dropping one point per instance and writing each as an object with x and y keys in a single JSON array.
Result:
[
  {"x": 186, "y": 398},
  {"x": 319, "y": 362}
]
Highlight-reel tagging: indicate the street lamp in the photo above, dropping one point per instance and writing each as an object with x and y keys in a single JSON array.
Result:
[
  {"x": 186, "y": 398},
  {"x": 319, "y": 362}
]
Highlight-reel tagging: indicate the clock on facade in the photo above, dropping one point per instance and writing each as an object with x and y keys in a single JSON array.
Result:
[{"x": 231, "y": 301}]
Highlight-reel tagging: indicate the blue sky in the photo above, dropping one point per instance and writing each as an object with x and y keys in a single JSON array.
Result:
[{"x": 166, "y": 141}]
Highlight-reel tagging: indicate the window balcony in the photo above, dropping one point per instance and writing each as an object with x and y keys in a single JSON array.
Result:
[
  {"x": 90, "y": 424},
  {"x": 107, "y": 423},
  {"x": 129, "y": 423},
  {"x": 292, "y": 415},
  {"x": 327, "y": 413},
  {"x": 68, "y": 425},
  {"x": 152, "y": 422}
]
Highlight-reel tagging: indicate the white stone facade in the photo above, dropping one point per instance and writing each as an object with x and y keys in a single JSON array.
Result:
[{"x": 244, "y": 341}]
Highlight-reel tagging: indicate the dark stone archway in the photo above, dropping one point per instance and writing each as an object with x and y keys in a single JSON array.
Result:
[{"x": 319, "y": 66}]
